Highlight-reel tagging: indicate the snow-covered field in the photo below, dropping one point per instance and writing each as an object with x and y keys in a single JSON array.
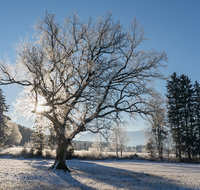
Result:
[
  {"x": 17, "y": 150},
  {"x": 90, "y": 175}
]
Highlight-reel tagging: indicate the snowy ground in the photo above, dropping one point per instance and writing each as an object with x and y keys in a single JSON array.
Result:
[{"x": 91, "y": 175}]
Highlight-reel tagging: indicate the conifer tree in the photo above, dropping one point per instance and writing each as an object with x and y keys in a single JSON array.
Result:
[
  {"x": 186, "y": 110},
  {"x": 184, "y": 114},
  {"x": 39, "y": 140},
  {"x": 151, "y": 147},
  {"x": 197, "y": 117},
  {"x": 4, "y": 129},
  {"x": 174, "y": 112}
]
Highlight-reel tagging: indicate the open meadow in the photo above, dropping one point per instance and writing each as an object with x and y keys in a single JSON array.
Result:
[{"x": 90, "y": 175}]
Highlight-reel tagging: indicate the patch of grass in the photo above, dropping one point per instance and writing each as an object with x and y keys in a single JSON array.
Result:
[{"x": 95, "y": 155}]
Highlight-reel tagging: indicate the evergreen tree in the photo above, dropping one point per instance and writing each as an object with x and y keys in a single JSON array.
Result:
[
  {"x": 187, "y": 114},
  {"x": 39, "y": 139},
  {"x": 197, "y": 117},
  {"x": 184, "y": 114},
  {"x": 4, "y": 129},
  {"x": 174, "y": 112},
  {"x": 151, "y": 148},
  {"x": 3, "y": 106}
]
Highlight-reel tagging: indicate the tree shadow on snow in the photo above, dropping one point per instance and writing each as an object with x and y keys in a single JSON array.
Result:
[
  {"x": 63, "y": 176},
  {"x": 118, "y": 178},
  {"x": 122, "y": 178}
]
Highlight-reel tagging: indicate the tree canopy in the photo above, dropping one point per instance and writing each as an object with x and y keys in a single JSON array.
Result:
[{"x": 81, "y": 75}]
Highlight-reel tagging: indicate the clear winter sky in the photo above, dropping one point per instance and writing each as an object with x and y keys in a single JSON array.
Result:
[{"x": 172, "y": 26}]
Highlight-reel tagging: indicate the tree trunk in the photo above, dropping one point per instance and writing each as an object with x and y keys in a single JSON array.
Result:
[
  {"x": 179, "y": 153},
  {"x": 116, "y": 152},
  {"x": 160, "y": 154},
  {"x": 61, "y": 154},
  {"x": 121, "y": 152},
  {"x": 176, "y": 150},
  {"x": 189, "y": 155}
]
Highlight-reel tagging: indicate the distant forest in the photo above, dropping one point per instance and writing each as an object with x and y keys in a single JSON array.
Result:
[{"x": 26, "y": 134}]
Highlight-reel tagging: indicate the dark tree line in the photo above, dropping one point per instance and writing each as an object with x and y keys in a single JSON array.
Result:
[
  {"x": 26, "y": 134},
  {"x": 3, "y": 108},
  {"x": 82, "y": 145},
  {"x": 183, "y": 107}
]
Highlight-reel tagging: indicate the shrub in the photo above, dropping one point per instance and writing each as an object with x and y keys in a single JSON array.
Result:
[
  {"x": 48, "y": 155},
  {"x": 38, "y": 153}
]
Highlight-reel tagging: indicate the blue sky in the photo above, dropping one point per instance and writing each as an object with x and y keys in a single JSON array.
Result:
[{"x": 172, "y": 26}]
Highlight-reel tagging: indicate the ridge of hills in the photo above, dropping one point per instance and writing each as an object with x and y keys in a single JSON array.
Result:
[{"x": 136, "y": 137}]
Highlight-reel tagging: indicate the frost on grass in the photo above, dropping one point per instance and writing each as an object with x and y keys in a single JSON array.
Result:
[{"x": 90, "y": 175}]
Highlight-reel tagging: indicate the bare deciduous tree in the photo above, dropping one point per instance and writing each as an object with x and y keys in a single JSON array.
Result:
[
  {"x": 123, "y": 140},
  {"x": 114, "y": 144},
  {"x": 82, "y": 75},
  {"x": 168, "y": 144},
  {"x": 98, "y": 143},
  {"x": 119, "y": 138},
  {"x": 157, "y": 132}
]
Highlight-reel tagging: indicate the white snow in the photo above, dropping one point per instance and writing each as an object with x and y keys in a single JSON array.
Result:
[{"x": 106, "y": 175}]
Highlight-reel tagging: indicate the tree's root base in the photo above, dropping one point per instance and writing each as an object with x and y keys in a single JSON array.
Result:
[
  {"x": 63, "y": 169},
  {"x": 60, "y": 166}
]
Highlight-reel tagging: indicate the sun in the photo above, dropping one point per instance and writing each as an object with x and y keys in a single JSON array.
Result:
[{"x": 40, "y": 108}]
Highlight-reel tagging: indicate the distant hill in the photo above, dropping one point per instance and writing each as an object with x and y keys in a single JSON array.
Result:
[
  {"x": 136, "y": 137},
  {"x": 85, "y": 136}
]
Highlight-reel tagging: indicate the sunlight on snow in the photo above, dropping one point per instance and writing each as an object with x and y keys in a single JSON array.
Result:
[{"x": 100, "y": 175}]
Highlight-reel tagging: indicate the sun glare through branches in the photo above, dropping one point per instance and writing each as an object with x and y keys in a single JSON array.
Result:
[{"x": 40, "y": 108}]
